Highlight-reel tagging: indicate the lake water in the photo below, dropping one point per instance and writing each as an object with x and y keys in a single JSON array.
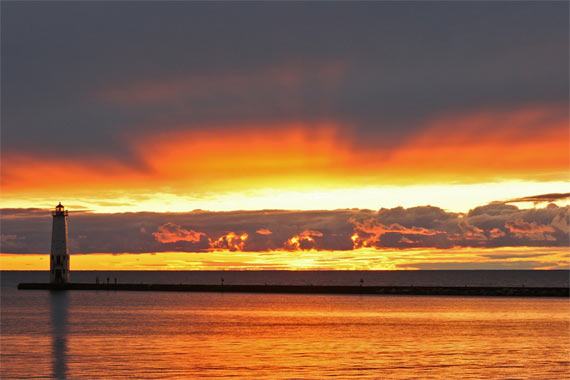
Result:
[{"x": 151, "y": 335}]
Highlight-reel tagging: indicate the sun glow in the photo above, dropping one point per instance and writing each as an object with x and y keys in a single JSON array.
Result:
[
  {"x": 456, "y": 162},
  {"x": 453, "y": 197},
  {"x": 359, "y": 259}
]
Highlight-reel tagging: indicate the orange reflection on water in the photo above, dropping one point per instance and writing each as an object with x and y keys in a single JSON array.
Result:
[{"x": 245, "y": 336}]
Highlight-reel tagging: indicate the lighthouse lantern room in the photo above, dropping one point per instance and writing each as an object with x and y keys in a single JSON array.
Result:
[{"x": 59, "y": 258}]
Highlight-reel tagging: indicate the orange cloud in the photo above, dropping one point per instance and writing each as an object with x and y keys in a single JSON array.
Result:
[
  {"x": 230, "y": 241},
  {"x": 264, "y": 231},
  {"x": 519, "y": 226},
  {"x": 289, "y": 155},
  {"x": 531, "y": 231},
  {"x": 471, "y": 232},
  {"x": 369, "y": 231},
  {"x": 527, "y": 144},
  {"x": 28, "y": 173},
  {"x": 521, "y": 143},
  {"x": 303, "y": 242},
  {"x": 171, "y": 233},
  {"x": 496, "y": 233},
  {"x": 473, "y": 147}
]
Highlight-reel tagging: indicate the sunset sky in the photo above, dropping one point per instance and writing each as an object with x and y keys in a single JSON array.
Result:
[{"x": 299, "y": 135}]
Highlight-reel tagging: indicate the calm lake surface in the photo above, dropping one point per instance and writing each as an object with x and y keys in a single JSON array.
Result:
[{"x": 151, "y": 335}]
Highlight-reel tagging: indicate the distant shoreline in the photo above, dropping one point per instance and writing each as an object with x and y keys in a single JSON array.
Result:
[{"x": 483, "y": 291}]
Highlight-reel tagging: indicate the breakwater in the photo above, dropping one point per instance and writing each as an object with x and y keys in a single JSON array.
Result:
[{"x": 317, "y": 289}]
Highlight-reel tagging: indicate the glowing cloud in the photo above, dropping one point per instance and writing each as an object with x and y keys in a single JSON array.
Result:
[
  {"x": 369, "y": 232},
  {"x": 171, "y": 233},
  {"x": 531, "y": 231},
  {"x": 491, "y": 226},
  {"x": 322, "y": 159},
  {"x": 303, "y": 242},
  {"x": 230, "y": 241}
]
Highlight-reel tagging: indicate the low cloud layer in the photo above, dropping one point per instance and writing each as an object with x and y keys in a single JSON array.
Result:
[
  {"x": 172, "y": 233},
  {"x": 490, "y": 226},
  {"x": 542, "y": 198}
]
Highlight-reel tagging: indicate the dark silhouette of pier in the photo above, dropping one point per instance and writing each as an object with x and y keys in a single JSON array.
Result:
[{"x": 482, "y": 291}]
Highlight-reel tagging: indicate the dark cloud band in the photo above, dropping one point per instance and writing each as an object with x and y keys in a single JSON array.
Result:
[
  {"x": 378, "y": 67},
  {"x": 490, "y": 226}
]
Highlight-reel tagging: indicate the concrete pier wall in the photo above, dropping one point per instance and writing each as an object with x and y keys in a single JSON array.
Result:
[{"x": 303, "y": 289}]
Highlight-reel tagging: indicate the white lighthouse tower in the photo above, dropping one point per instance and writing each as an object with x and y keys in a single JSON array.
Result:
[{"x": 59, "y": 258}]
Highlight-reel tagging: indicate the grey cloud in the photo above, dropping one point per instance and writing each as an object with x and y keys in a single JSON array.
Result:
[
  {"x": 493, "y": 209},
  {"x": 197, "y": 231},
  {"x": 549, "y": 222},
  {"x": 541, "y": 198},
  {"x": 28, "y": 230},
  {"x": 398, "y": 63},
  {"x": 494, "y": 225},
  {"x": 424, "y": 216}
]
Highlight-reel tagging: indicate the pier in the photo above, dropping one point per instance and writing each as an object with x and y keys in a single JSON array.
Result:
[{"x": 483, "y": 291}]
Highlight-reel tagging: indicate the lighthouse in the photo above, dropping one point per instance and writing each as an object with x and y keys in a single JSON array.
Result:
[{"x": 59, "y": 258}]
